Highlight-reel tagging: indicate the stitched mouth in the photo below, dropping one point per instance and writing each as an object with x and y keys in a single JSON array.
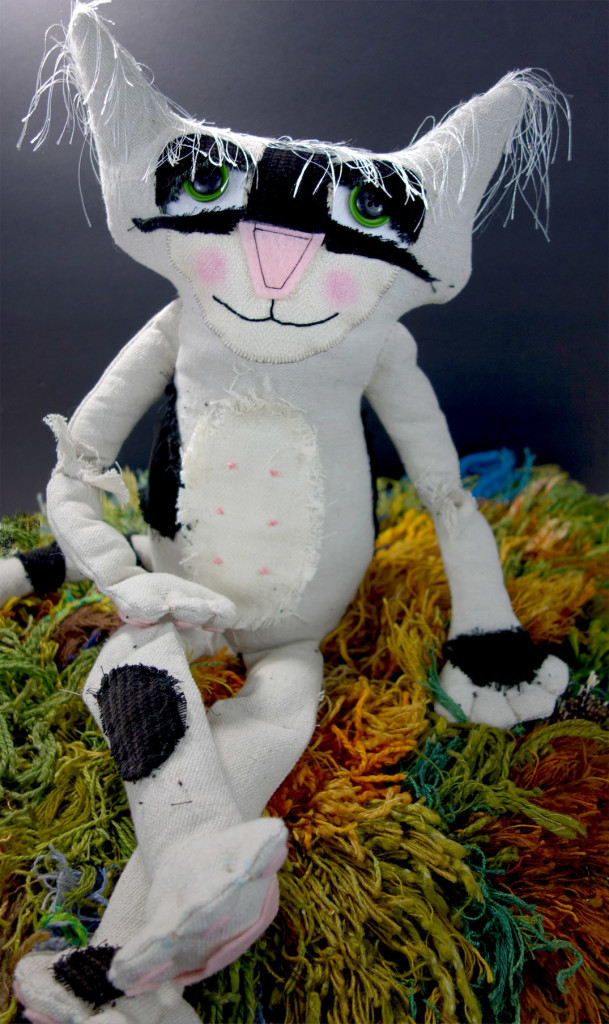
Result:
[{"x": 271, "y": 317}]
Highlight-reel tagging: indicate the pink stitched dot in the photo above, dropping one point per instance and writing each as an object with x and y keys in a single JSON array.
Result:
[
  {"x": 273, "y": 522},
  {"x": 274, "y": 472},
  {"x": 231, "y": 465},
  {"x": 219, "y": 511},
  {"x": 218, "y": 561},
  {"x": 264, "y": 571}
]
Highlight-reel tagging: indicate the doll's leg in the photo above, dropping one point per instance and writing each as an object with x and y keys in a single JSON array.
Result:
[
  {"x": 260, "y": 735},
  {"x": 68, "y": 987},
  {"x": 212, "y": 876},
  {"x": 261, "y": 732}
]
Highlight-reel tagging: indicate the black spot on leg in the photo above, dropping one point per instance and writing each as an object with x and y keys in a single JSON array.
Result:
[
  {"x": 143, "y": 713},
  {"x": 84, "y": 972},
  {"x": 45, "y": 567}
]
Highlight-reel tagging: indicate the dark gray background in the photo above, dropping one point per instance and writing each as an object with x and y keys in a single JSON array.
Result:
[{"x": 518, "y": 359}]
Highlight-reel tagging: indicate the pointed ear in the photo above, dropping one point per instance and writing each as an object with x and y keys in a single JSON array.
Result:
[
  {"x": 123, "y": 111},
  {"x": 129, "y": 122},
  {"x": 510, "y": 128}
]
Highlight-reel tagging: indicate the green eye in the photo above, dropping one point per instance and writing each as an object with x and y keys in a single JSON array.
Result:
[
  {"x": 209, "y": 182},
  {"x": 367, "y": 205}
]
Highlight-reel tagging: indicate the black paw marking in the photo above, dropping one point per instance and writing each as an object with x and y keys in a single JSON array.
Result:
[
  {"x": 504, "y": 658},
  {"x": 45, "y": 567}
]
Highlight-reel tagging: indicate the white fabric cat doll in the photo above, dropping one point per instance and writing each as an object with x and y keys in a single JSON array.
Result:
[{"x": 293, "y": 263}]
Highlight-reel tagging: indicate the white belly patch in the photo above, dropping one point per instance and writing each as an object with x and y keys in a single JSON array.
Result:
[{"x": 251, "y": 506}]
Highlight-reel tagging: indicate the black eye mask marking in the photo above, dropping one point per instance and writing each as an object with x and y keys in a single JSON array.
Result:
[
  {"x": 342, "y": 239},
  {"x": 405, "y": 215},
  {"x": 214, "y": 222},
  {"x": 405, "y": 212},
  {"x": 170, "y": 178},
  {"x": 292, "y": 189}
]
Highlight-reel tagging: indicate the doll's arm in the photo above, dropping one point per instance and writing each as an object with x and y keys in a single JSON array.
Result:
[
  {"x": 87, "y": 446},
  {"x": 487, "y": 647},
  {"x": 404, "y": 400}
]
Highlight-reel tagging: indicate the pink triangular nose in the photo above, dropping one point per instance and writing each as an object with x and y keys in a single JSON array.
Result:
[{"x": 277, "y": 257}]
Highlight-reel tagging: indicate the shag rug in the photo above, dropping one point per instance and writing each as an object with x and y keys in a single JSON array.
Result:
[{"x": 437, "y": 873}]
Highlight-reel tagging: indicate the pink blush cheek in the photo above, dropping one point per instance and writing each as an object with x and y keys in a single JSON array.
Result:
[
  {"x": 210, "y": 267},
  {"x": 341, "y": 288}
]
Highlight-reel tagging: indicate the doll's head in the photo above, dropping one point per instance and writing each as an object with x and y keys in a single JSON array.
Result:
[{"x": 286, "y": 246}]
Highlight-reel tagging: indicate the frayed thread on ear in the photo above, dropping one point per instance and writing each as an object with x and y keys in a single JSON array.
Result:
[
  {"x": 448, "y": 155},
  {"x": 57, "y": 56},
  {"x": 184, "y": 136},
  {"x": 59, "y": 70},
  {"x": 524, "y": 171},
  {"x": 531, "y": 150}
]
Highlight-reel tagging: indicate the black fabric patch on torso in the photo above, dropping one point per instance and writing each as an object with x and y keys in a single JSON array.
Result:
[
  {"x": 130, "y": 536},
  {"x": 143, "y": 713},
  {"x": 84, "y": 972},
  {"x": 504, "y": 658},
  {"x": 45, "y": 567},
  {"x": 160, "y": 499}
]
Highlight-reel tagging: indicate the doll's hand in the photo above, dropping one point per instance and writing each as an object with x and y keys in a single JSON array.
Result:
[
  {"x": 150, "y": 597},
  {"x": 501, "y": 678}
]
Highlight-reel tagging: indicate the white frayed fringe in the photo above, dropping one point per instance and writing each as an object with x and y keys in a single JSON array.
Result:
[
  {"x": 448, "y": 504},
  {"x": 530, "y": 152},
  {"x": 524, "y": 171},
  {"x": 84, "y": 464}
]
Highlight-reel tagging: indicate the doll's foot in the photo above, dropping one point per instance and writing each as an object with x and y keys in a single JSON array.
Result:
[
  {"x": 212, "y": 896},
  {"x": 70, "y": 986},
  {"x": 47, "y": 1001},
  {"x": 503, "y": 706},
  {"x": 44, "y": 999},
  {"x": 165, "y": 1006}
]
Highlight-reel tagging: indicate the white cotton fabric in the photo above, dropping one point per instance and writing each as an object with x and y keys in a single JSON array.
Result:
[
  {"x": 275, "y": 530},
  {"x": 14, "y": 581},
  {"x": 309, "y": 303},
  {"x": 406, "y": 403},
  {"x": 251, "y": 506}
]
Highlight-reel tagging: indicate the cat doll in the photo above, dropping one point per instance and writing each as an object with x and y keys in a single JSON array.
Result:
[{"x": 293, "y": 263}]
